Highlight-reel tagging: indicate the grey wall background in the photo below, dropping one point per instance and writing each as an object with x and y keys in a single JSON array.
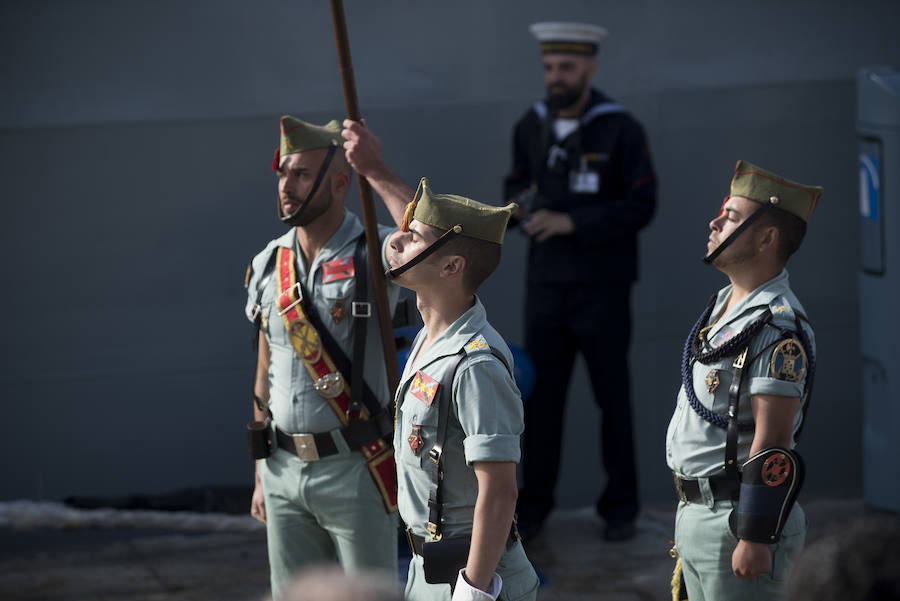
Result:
[{"x": 135, "y": 142}]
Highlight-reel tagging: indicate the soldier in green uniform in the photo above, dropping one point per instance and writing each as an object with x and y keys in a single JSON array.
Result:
[
  {"x": 327, "y": 490},
  {"x": 459, "y": 413},
  {"x": 747, "y": 371}
]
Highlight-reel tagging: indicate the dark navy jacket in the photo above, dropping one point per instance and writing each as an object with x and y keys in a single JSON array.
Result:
[{"x": 611, "y": 142}]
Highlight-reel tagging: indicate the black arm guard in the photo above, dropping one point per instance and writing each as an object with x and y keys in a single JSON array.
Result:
[{"x": 770, "y": 483}]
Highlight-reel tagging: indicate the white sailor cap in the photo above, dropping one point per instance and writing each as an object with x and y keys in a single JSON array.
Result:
[{"x": 571, "y": 38}]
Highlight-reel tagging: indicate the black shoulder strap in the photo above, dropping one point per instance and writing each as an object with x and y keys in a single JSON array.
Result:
[
  {"x": 445, "y": 399},
  {"x": 731, "y": 433},
  {"x": 360, "y": 311}
]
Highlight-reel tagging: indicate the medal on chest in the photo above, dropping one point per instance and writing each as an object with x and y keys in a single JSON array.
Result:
[
  {"x": 415, "y": 440},
  {"x": 338, "y": 310},
  {"x": 712, "y": 380}
]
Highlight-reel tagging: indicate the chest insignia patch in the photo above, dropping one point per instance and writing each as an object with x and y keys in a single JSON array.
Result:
[
  {"x": 415, "y": 440},
  {"x": 788, "y": 361},
  {"x": 477, "y": 344},
  {"x": 423, "y": 388},
  {"x": 337, "y": 269},
  {"x": 722, "y": 336},
  {"x": 712, "y": 380},
  {"x": 338, "y": 310}
]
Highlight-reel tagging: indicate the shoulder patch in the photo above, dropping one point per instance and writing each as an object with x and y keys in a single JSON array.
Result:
[
  {"x": 780, "y": 306},
  {"x": 248, "y": 275},
  {"x": 476, "y": 344},
  {"x": 788, "y": 361}
]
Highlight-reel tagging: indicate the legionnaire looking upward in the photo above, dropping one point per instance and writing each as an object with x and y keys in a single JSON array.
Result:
[
  {"x": 327, "y": 490},
  {"x": 459, "y": 413},
  {"x": 582, "y": 171},
  {"x": 747, "y": 372}
]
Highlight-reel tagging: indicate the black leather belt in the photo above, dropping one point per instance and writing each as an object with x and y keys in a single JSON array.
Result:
[
  {"x": 415, "y": 541},
  {"x": 689, "y": 490},
  {"x": 308, "y": 447},
  {"x": 312, "y": 447}
]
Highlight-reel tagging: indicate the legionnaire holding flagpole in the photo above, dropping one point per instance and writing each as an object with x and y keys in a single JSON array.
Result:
[
  {"x": 747, "y": 370},
  {"x": 459, "y": 413},
  {"x": 582, "y": 171},
  {"x": 325, "y": 478}
]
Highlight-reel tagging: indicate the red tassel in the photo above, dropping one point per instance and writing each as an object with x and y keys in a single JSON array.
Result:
[{"x": 276, "y": 159}]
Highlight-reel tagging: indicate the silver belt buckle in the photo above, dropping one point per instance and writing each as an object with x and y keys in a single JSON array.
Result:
[
  {"x": 305, "y": 445},
  {"x": 330, "y": 385}
]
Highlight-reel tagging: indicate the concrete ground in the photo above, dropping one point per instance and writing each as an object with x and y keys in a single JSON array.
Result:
[{"x": 193, "y": 563}]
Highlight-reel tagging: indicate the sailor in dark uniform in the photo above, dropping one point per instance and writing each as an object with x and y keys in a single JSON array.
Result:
[{"x": 582, "y": 171}]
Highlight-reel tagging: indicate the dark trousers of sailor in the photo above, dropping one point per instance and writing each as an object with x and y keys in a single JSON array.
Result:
[{"x": 561, "y": 320}]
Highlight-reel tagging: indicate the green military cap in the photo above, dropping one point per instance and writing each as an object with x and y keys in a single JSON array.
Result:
[
  {"x": 298, "y": 136},
  {"x": 462, "y": 215},
  {"x": 767, "y": 188}
]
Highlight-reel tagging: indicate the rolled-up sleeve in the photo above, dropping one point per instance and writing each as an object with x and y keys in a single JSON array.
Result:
[{"x": 489, "y": 408}]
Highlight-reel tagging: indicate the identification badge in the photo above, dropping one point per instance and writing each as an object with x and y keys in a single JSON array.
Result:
[
  {"x": 337, "y": 269},
  {"x": 423, "y": 388},
  {"x": 584, "y": 181}
]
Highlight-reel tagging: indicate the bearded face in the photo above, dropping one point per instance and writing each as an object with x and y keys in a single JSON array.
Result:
[{"x": 566, "y": 77}]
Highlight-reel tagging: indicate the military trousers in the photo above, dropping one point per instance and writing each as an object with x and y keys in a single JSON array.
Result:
[
  {"x": 705, "y": 544},
  {"x": 325, "y": 511},
  {"x": 561, "y": 320},
  {"x": 520, "y": 581}
]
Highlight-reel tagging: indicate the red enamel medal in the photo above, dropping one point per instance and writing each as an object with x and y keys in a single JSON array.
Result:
[{"x": 415, "y": 440}]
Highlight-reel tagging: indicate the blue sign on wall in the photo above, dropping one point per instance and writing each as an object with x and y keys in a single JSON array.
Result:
[{"x": 868, "y": 186}]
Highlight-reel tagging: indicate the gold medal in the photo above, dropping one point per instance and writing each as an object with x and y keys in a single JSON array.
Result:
[{"x": 712, "y": 380}]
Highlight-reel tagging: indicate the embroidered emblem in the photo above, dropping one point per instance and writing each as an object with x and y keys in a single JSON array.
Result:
[
  {"x": 248, "y": 275},
  {"x": 477, "y": 344},
  {"x": 337, "y": 269},
  {"x": 788, "y": 361},
  {"x": 779, "y": 309},
  {"x": 415, "y": 440},
  {"x": 305, "y": 339},
  {"x": 712, "y": 380},
  {"x": 722, "y": 336},
  {"x": 338, "y": 310},
  {"x": 776, "y": 469},
  {"x": 423, "y": 388}
]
